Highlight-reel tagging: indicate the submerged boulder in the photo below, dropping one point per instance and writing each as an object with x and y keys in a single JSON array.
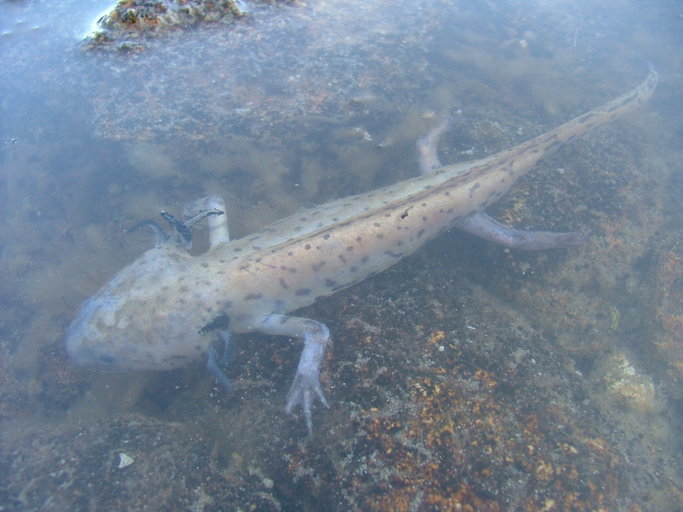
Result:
[{"x": 130, "y": 22}]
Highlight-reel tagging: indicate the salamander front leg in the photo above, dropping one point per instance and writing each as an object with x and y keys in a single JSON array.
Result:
[
  {"x": 427, "y": 154},
  {"x": 215, "y": 361},
  {"x": 306, "y": 385}
]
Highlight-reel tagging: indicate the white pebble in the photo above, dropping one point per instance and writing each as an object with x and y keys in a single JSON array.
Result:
[{"x": 125, "y": 460}]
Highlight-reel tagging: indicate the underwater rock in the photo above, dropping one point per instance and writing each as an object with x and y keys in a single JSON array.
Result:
[
  {"x": 670, "y": 311},
  {"x": 130, "y": 22},
  {"x": 51, "y": 468}
]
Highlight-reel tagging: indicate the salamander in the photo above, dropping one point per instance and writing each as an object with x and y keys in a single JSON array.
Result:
[{"x": 166, "y": 308}]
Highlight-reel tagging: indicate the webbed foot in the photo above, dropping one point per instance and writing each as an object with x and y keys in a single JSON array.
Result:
[
  {"x": 304, "y": 390},
  {"x": 306, "y": 385}
]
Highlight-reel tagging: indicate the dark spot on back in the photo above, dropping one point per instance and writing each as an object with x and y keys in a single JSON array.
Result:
[
  {"x": 393, "y": 254},
  {"x": 219, "y": 323}
]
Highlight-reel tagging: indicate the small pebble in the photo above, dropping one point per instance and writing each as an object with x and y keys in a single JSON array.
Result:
[{"x": 125, "y": 460}]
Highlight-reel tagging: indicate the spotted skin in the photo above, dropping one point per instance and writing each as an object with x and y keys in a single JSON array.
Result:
[{"x": 153, "y": 314}]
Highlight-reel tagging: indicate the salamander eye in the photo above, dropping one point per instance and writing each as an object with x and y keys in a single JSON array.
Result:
[{"x": 107, "y": 359}]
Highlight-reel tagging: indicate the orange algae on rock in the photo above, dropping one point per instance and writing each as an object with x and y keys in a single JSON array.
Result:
[{"x": 670, "y": 311}]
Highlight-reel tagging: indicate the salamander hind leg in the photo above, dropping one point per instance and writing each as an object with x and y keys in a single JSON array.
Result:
[
  {"x": 488, "y": 228},
  {"x": 306, "y": 386}
]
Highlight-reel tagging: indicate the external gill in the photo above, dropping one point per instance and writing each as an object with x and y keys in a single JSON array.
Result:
[
  {"x": 183, "y": 228},
  {"x": 213, "y": 209}
]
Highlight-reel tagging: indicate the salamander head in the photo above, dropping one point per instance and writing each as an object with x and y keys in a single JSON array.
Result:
[
  {"x": 84, "y": 340},
  {"x": 138, "y": 320},
  {"x": 141, "y": 319}
]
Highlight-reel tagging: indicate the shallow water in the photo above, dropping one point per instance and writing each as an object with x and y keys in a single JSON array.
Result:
[{"x": 466, "y": 375}]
